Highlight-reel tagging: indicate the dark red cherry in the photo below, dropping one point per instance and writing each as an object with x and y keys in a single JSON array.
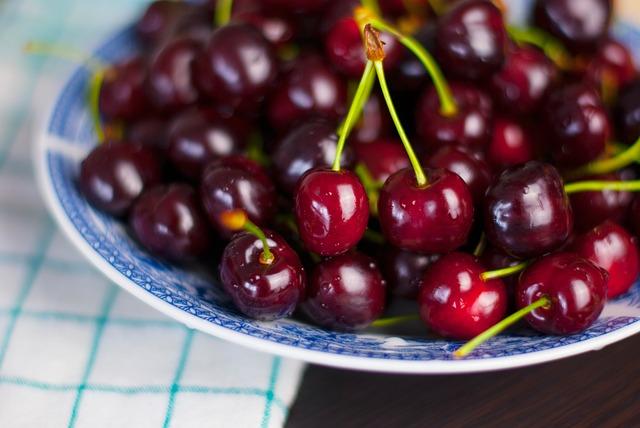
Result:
[
  {"x": 169, "y": 84},
  {"x": 576, "y": 124},
  {"x": 612, "y": 66},
  {"x": 597, "y": 206},
  {"x": 626, "y": 112},
  {"x": 237, "y": 67},
  {"x": 575, "y": 286},
  {"x": 169, "y": 222},
  {"x": 510, "y": 144},
  {"x": 296, "y": 6},
  {"x": 149, "y": 132},
  {"x": 403, "y": 270},
  {"x": 527, "y": 211},
  {"x": 122, "y": 94},
  {"x": 227, "y": 188},
  {"x": 346, "y": 292},
  {"x": 113, "y": 175},
  {"x": 277, "y": 29},
  {"x": 262, "y": 291},
  {"x": 493, "y": 258},
  {"x": 471, "y": 126},
  {"x": 382, "y": 158},
  {"x": 195, "y": 23},
  {"x": 343, "y": 47},
  {"x": 308, "y": 146},
  {"x": 524, "y": 80},
  {"x": 159, "y": 19},
  {"x": 475, "y": 172},
  {"x": 579, "y": 24},
  {"x": 612, "y": 248},
  {"x": 245, "y": 164},
  {"x": 374, "y": 122},
  {"x": 410, "y": 74},
  {"x": 310, "y": 89},
  {"x": 332, "y": 211},
  {"x": 456, "y": 302},
  {"x": 471, "y": 39},
  {"x": 432, "y": 219},
  {"x": 198, "y": 136}
]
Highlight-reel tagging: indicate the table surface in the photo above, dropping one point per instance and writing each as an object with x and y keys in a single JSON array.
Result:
[{"x": 600, "y": 389}]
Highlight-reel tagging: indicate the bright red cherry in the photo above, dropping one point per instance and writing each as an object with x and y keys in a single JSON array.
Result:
[
  {"x": 382, "y": 158},
  {"x": 576, "y": 124},
  {"x": 113, "y": 175},
  {"x": 527, "y": 211},
  {"x": 435, "y": 218},
  {"x": 510, "y": 144},
  {"x": 346, "y": 292},
  {"x": 626, "y": 112},
  {"x": 169, "y": 222},
  {"x": 471, "y": 39},
  {"x": 403, "y": 270},
  {"x": 575, "y": 287},
  {"x": 612, "y": 248},
  {"x": 332, "y": 211},
  {"x": 122, "y": 94},
  {"x": 456, "y": 302},
  {"x": 612, "y": 66}
]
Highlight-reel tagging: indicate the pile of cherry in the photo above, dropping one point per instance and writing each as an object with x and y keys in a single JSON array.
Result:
[{"x": 265, "y": 146}]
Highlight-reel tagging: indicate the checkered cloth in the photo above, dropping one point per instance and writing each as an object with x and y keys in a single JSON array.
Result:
[{"x": 74, "y": 349}]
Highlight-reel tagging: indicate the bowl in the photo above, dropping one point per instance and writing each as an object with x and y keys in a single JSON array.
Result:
[{"x": 193, "y": 298}]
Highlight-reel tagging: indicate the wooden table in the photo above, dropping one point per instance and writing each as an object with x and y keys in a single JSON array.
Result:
[{"x": 599, "y": 389}]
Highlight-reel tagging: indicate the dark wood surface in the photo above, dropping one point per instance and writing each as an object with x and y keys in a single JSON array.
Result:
[{"x": 599, "y": 389}]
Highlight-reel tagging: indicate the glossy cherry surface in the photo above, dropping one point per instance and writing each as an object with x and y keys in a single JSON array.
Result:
[
  {"x": 575, "y": 286},
  {"x": 159, "y": 19},
  {"x": 527, "y": 211},
  {"x": 576, "y": 123},
  {"x": 471, "y": 126},
  {"x": 612, "y": 248},
  {"x": 433, "y": 219},
  {"x": 310, "y": 89},
  {"x": 308, "y": 146},
  {"x": 169, "y": 221},
  {"x": 471, "y": 39},
  {"x": 113, "y": 175},
  {"x": 262, "y": 291},
  {"x": 332, "y": 211},
  {"x": 612, "y": 66},
  {"x": 511, "y": 144},
  {"x": 278, "y": 30},
  {"x": 579, "y": 24},
  {"x": 626, "y": 112},
  {"x": 237, "y": 67},
  {"x": 346, "y": 292},
  {"x": 382, "y": 158},
  {"x": 456, "y": 302},
  {"x": 226, "y": 188},
  {"x": 403, "y": 270},
  {"x": 122, "y": 94}
]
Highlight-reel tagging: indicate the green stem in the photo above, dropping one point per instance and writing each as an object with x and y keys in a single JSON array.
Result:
[
  {"x": 371, "y": 186},
  {"x": 355, "y": 109},
  {"x": 482, "y": 244},
  {"x": 94, "y": 103},
  {"x": 223, "y": 12},
  {"x": 266, "y": 257},
  {"x": 597, "y": 185},
  {"x": 630, "y": 155},
  {"x": 496, "y": 329},
  {"x": 386, "y": 322},
  {"x": 421, "y": 178},
  {"x": 500, "y": 273},
  {"x": 371, "y": 5},
  {"x": 64, "y": 52},
  {"x": 549, "y": 45}
]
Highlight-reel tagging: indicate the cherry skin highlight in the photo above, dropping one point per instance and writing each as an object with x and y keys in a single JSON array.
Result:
[{"x": 510, "y": 144}]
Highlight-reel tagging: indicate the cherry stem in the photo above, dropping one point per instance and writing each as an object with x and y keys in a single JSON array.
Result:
[
  {"x": 506, "y": 271},
  {"x": 64, "y": 52},
  {"x": 541, "y": 39},
  {"x": 357, "y": 104},
  {"x": 371, "y": 186},
  {"x": 223, "y": 12},
  {"x": 448, "y": 106},
  {"x": 628, "y": 156},
  {"x": 482, "y": 244},
  {"x": 496, "y": 329},
  {"x": 371, "y": 5},
  {"x": 94, "y": 103},
  {"x": 238, "y": 220},
  {"x": 386, "y": 322},
  {"x": 597, "y": 185}
]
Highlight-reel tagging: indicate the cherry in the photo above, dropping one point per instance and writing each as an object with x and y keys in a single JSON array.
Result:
[
  {"x": 470, "y": 126},
  {"x": 149, "y": 132},
  {"x": 475, "y": 172},
  {"x": 113, "y": 175},
  {"x": 346, "y": 292},
  {"x": 169, "y": 84},
  {"x": 122, "y": 93},
  {"x": 456, "y": 301},
  {"x": 169, "y": 222},
  {"x": 494, "y": 258},
  {"x": 524, "y": 80},
  {"x": 612, "y": 248},
  {"x": 261, "y": 272},
  {"x": 510, "y": 144},
  {"x": 310, "y": 89},
  {"x": 410, "y": 74},
  {"x": 611, "y": 67},
  {"x": 159, "y": 19},
  {"x": 579, "y": 24},
  {"x": 382, "y": 158},
  {"x": 278, "y": 30},
  {"x": 433, "y": 218},
  {"x": 237, "y": 67},
  {"x": 194, "y": 23},
  {"x": 576, "y": 290},
  {"x": 471, "y": 39},
  {"x": 296, "y": 6},
  {"x": 403, "y": 270},
  {"x": 527, "y": 211},
  {"x": 308, "y": 146},
  {"x": 225, "y": 188},
  {"x": 198, "y": 136},
  {"x": 576, "y": 124},
  {"x": 245, "y": 164},
  {"x": 374, "y": 123},
  {"x": 626, "y": 112}
]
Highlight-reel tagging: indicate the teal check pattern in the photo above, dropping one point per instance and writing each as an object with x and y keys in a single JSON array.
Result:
[{"x": 75, "y": 350}]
